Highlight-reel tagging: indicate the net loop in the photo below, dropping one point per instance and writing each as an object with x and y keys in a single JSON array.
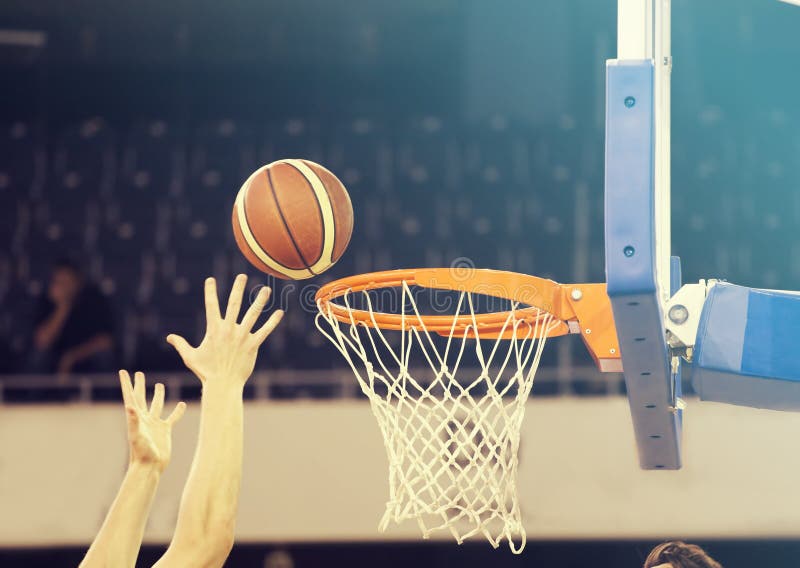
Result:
[{"x": 451, "y": 434}]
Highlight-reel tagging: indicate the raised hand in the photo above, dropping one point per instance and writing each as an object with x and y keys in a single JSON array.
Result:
[
  {"x": 223, "y": 361},
  {"x": 228, "y": 351},
  {"x": 119, "y": 539},
  {"x": 149, "y": 437}
]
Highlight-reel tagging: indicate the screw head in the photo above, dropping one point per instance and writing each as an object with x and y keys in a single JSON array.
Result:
[
  {"x": 576, "y": 294},
  {"x": 588, "y": 331},
  {"x": 678, "y": 314},
  {"x": 630, "y": 102},
  {"x": 612, "y": 351},
  {"x": 629, "y": 251}
]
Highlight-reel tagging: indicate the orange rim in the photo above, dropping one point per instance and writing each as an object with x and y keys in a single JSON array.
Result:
[
  {"x": 576, "y": 308},
  {"x": 542, "y": 295}
]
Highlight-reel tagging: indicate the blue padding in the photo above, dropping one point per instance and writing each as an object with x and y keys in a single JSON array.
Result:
[
  {"x": 629, "y": 191},
  {"x": 746, "y": 352},
  {"x": 631, "y": 266}
]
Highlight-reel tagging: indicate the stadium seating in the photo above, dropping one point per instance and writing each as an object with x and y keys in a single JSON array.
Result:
[{"x": 145, "y": 206}]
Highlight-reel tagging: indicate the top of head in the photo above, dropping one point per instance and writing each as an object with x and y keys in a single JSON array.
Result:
[{"x": 292, "y": 219}]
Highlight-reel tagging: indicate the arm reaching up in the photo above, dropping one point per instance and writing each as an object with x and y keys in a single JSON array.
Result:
[
  {"x": 149, "y": 437},
  {"x": 223, "y": 362}
]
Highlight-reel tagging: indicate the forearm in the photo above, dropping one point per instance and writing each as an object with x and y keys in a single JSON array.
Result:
[
  {"x": 210, "y": 498},
  {"x": 48, "y": 331},
  {"x": 223, "y": 362},
  {"x": 117, "y": 544}
]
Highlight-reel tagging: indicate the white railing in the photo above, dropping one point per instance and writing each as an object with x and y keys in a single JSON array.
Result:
[{"x": 334, "y": 383}]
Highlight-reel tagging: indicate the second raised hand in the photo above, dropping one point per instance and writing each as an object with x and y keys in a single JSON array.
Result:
[
  {"x": 228, "y": 351},
  {"x": 149, "y": 436}
]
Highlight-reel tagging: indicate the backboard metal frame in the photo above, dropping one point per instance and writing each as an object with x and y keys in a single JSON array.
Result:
[{"x": 640, "y": 272}]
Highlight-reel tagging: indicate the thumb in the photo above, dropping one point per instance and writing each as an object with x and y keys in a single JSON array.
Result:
[
  {"x": 181, "y": 346},
  {"x": 177, "y": 414}
]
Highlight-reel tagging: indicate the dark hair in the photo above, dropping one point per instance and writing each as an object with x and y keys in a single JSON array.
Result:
[{"x": 680, "y": 555}]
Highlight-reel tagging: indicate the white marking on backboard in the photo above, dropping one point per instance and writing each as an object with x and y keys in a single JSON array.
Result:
[{"x": 643, "y": 32}]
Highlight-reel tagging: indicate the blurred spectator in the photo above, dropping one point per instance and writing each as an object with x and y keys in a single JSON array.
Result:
[
  {"x": 73, "y": 326},
  {"x": 278, "y": 559}
]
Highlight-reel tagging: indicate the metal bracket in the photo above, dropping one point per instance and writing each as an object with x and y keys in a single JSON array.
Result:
[{"x": 682, "y": 316}]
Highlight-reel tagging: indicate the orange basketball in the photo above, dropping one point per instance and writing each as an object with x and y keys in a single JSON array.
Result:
[{"x": 292, "y": 219}]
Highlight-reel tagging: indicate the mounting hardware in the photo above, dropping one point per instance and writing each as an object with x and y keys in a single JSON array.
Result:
[
  {"x": 678, "y": 314},
  {"x": 683, "y": 315},
  {"x": 680, "y": 404},
  {"x": 576, "y": 294}
]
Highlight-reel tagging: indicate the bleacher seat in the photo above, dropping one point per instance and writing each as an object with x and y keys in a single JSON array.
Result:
[
  {"x": 359, "y": 153},
  {"x": 23, "y": 167},
  {"x": 296, "y": 137},
  {"x": 84, "y": 162},
  {"x": 154, "y": 158},
  {"x": 150, "y": 216},
  {"x": 426, "y": 154}
]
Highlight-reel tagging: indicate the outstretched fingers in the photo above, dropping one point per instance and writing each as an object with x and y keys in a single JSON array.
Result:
[
  {"x": 181, "y": 346},
  {"x": 139, "y": 390},
  {"x": 212, "y": 301},
  {"x": 255, "y": 309},
  {"x": 176, "y": 414},
  {"x": 127, "y": 389},
  {"x": 157, "y": 405},
  {"x": 263, "y": 332},
  {"x": 235, "y": 299},
  {"x": 134, "y": 398}
]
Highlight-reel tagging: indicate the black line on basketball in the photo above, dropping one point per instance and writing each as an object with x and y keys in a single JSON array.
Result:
[
  {"x": 249, "y": 228},
  {"x": 333, "y": 212},
  {"x": 285, "y": 223},
  {"x": 319, "y": 208}
]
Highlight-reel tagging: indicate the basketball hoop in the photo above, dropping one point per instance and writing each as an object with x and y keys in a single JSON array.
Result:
[{"x": 452, "y": 442}]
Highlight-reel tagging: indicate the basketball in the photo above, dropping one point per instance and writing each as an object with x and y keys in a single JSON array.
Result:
[{"x": 292, "y": 219}]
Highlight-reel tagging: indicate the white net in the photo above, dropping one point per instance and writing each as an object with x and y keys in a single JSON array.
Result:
[{"x": 452, "y": 442}]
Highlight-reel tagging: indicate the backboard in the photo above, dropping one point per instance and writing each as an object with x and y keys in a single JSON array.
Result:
[{"x": 640, "y": 273}]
